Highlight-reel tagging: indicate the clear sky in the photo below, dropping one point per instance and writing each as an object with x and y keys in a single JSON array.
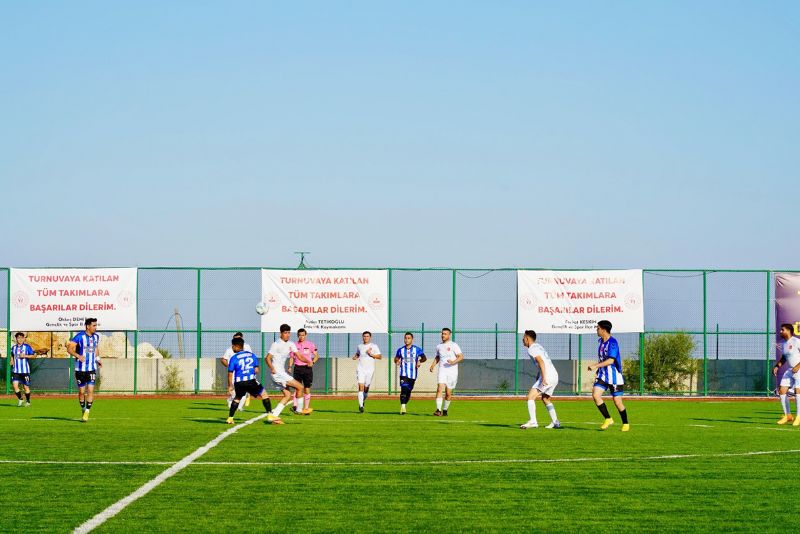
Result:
[{"x": 474, "y": 134}]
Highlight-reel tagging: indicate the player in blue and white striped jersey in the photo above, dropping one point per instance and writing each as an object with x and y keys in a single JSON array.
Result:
[
  {"x": 84, "y": 347},
  {"x": 21, "y": 352},
  {"x": 609, "y": 375},
  {"x": 243, "y": 371},
  {"x": 408, "y": 358}
]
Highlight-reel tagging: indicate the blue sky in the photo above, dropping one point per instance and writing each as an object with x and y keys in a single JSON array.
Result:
[{"x": 472, "y": 134}]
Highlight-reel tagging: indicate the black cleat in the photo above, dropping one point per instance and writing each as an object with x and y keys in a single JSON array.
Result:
[
  {"x": 360, "y": 409},
  {"x": 444, "y": 413},
  {"x": 437, "y": 413}
]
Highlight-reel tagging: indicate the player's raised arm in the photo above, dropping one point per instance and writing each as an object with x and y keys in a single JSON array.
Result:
[{"x": 374, "y": 354}]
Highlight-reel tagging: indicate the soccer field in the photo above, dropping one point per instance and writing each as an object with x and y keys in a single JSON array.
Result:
[{"x": 699, "y": 466}]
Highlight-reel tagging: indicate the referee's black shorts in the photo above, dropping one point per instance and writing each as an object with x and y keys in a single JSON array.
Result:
[{"x": 303, "y": 374}]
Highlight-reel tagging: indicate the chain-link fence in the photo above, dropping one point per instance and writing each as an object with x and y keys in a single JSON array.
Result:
[{"x": 186, "y": 318}]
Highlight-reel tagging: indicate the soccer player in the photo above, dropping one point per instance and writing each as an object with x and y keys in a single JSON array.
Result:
[
  {"x": 545, "y": 383},
  {"x": 225, "y": 358},
  {"x": 791, "y": 377},
  {"x": 366, "y": 354},
  {"x": 408, "y": 358},
  {"x": 302, "y": 369},
  {"x": 609, "y": 375},
  {"x": 84, "y": 348},
  {"x": 279, "y": 352},
  {"x": 242, "y": 378},
  {"x": 448, "y": 356},
  {"x": 21, "y": 368}
]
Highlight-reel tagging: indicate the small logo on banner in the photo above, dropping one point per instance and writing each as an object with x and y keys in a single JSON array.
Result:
[
  {"x": 633, "y": 301},
  {"x": 125, "y": 299},
  {"x": 527, "y": 301},
  {"x": 272, "y": 299},
  {"x": 20, "y": 299},
  {"x": 376, "y": 301}
]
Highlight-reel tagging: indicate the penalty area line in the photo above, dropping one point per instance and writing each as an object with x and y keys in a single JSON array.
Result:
[{"x": 176, "y": 468}]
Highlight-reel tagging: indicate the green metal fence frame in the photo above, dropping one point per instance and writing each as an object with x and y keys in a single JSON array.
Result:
[{"x": 199, "y": 331}]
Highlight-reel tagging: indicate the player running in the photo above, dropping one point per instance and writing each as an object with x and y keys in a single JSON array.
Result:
[
  {"x": 545, "y": 383},
  {"x": 366, "y": 354},
  {"x": 790, "y": 353},
  {"x": 84, "y": 348},
  {"x": 21, "y": 368},
  {"x": 408, "y": 358},
  {"x": 226, "y": 358},
  {"x": 301, "y": 366},
  {"x": 242, "y": 378},
  {"x": 448, "y": 356},
  {"x": 609, "y": 375},
  {"x": 279, "y": 352}
]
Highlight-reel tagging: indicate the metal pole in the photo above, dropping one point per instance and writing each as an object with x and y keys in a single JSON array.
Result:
[
  {"x": 263, "y": 355},
  {"x": 453, "y": 312},
  {"x": 641, "y": 363},
  {"x": 327, "y": 361},
  {"x": 71, "y": 369},
  {"x": 578, "y": 386},
  {"x": 767, "y": 373},
  {"x": 7, "y": 358},
  {"x": 389, "y": 365},
  {"x": 199, "y": 339},
  {"x": 135, "y": 360},
  {"x": 495, "y": 340},
  {"x": 705, "y": 334}
]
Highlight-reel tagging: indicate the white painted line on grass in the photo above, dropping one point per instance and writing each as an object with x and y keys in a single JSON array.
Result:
[
  {"x": 702, "y": 426},
  {"x": 121, "y": 504}
]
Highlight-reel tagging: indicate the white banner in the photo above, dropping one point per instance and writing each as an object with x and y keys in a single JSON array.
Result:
[
  {"x": 49, "y": 300},
  {"x": 325, "y": 301},
  {"x": 573, "y": 301}
]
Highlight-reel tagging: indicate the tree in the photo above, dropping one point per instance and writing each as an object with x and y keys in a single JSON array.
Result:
[{"x": 668, "y": 363}]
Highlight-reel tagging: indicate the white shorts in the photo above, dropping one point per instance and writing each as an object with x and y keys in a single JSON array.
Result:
[
  {"x": 280, "y": 379},
  {"x": 790, "y": 380},
  {"x": 448, "y": 377},
  {"x": 364, "y": 376},
  {"x": 552, "y": 382}
]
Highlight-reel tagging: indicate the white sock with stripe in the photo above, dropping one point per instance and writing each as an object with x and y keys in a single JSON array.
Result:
[{"x": 551, "y": 409}]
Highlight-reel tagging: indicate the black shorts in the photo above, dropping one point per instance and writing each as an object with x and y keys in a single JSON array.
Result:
[
  {"x": 303, "y": 374},
  {"x": 407, "y": 382},
  {"x": 615, "y": 391},
  {"x": 85, "y": 378},
  {"x": 21, "y": 377},
  {"x": 248, "y": 386}
]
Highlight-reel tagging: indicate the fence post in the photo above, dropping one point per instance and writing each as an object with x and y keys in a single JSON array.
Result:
[
  {"x": 6, "y": 356},
  {"x": 389, "y": 360},
  {"x": 199, "y": 339},
  {"x": 578, "y": 386},
  {"x": 767, "y": 373},
  {"x": 641, "y": 363},
  {"x": 453, "y": 310},
  {"x": 328, "y": 361},
  {"x": 71, "y": 368},
  {"x": 135, "y": 360},
  {"x": 705, "y": 334},
  {"x": 263, "y": 355}
]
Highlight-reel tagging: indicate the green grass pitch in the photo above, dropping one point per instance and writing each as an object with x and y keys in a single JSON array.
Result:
[{"x": 685, "y": 466}]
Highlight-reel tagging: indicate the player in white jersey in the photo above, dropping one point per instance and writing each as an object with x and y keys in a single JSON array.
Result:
[
  {"x": 790, "y": 354},
  {"x": 280, "y": 351},
  {"x": 545, "y": 384},
  {"x": 448, "y": 356},
  {"x": 225, "y": 359},
  {"x": 366, "y": 354}
]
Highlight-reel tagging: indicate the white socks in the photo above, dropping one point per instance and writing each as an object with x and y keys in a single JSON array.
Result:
[
  {"x": 786, "y": 404},
  {"x": 300, "y": 403},
  {"x": 551, "y": 409},
  {"x": 446, "y": 405},
  {"x": 278, "y": 409},
  {"x": 797, "y": 403},
  {"x": 532, "y": 410},
  {"x": 439, "y": 403},
  {"x": 360, "y": 399}
]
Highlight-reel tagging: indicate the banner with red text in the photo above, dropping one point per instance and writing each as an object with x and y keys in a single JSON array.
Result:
[
  {"x": 48, "y": 300},
  {"x": 552, "y": 302},
  {"x": 325, "y": 301}
]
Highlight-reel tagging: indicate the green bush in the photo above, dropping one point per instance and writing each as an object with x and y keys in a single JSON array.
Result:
[
  {"x": 166, "y": 354},
  {"x": 171, "y": 381},
  {"x": 668, "y": 363}
]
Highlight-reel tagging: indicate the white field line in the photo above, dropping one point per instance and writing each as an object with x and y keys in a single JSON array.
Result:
[
  {"x": 390, "y": 463},
  {"x": 121, "y": 504}
]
